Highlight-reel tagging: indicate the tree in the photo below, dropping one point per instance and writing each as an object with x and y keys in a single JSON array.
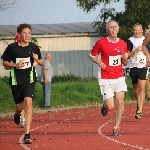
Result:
[
  {"x": 137, "y": 11},
  {"x": 7, "y": 4},
  {"x": 105, "y": 13},
  {"x": 88, "y": 5}
]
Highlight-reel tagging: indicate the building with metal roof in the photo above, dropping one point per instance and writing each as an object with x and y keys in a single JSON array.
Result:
[
  {"x": 51, "y": 29},
  {"x": 69, "y": 44}
]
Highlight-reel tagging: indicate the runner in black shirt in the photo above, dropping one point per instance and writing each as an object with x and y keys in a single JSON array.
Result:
[{"x": 20, "y": 56}]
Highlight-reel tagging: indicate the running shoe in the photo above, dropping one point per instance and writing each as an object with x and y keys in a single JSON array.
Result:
[
  {"x": 27, "y": 139},
  {"x": 22, "y": 124},
  {"x": 116, "y": 131},
  {"x": 138, "y": 115},
  {"x": 104, "y": 111},
  {"x": 148, "y": 99},
  {"x": 17, "y": 119}
]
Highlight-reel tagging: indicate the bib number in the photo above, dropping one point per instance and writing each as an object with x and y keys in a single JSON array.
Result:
[
  {"x": 115, "y": 60},
  {"x": 140, "y": 59},
  {"x": 27, "y": 63}
]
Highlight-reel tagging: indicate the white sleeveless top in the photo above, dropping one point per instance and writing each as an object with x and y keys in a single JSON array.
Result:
[{"x": 139, "y": 59}]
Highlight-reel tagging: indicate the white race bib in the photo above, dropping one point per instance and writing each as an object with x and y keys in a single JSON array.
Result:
[
  {"x": 115, "y": 60},
  {"x": 27, "y": 63},
  {"x": 140, "y": 59}
]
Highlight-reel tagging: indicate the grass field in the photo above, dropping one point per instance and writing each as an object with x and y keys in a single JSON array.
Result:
[{"x": 66, "y": 91}]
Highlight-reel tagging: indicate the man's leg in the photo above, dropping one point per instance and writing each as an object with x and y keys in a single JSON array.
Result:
[
  {"x": 22, "y": 119},
  {"x": 107, "y": 106},
  {"x": 119, "y": 112},
  {"x": 19, "y": 108},
  {"x": 119, "y": 107},
  {"x": 43, "y": 87},
  {"x": 28, "y": 119},
  {"x": 28, "y": 98},
  {"x": 109, "y": 103},
  {"x": 135, "y": 90},
  {"x": 28, "y": 113},
  {"x": 47, "y": 94},
  {"x": 141, "y": 98},
  {"x": 108, "y": 98},
  {"x": 136, "y": 94},
  {"x": 50, "y": 93},
  {"x": 147, "y": 88},
  {"x": 120, "y": 90},
  {"x": 18, "y": 98},
  {"x": 142, "y": 77},
  {"x": 23, "y": 115},
  {"x": 134, "y": 78}
]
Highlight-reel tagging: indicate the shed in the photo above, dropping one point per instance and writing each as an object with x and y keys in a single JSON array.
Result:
[{"x": 69, "y": 44}]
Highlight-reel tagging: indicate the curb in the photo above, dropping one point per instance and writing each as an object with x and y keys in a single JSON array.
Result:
[{"x": 10, "y": 114}]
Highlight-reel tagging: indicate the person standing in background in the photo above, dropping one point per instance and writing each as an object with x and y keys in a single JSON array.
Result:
[{"x": 46, "y": 78}]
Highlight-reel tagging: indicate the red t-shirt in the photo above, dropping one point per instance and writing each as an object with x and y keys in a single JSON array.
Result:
[{"x": 110, "y": 54}]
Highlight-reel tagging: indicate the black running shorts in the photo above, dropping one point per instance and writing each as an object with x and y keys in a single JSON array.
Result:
[
  {"x": 19, "y": 92},
  {"x": 138, "y": 73}
]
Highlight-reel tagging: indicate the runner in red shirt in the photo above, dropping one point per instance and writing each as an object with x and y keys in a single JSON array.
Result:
[{"x": 110, "y": 53}]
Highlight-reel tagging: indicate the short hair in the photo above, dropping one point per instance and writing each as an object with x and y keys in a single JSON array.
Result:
[
  {"x": 47, "y": 54},
  {"x": 107, "y": 24},
  {"x": 23, "y": 26},
  {"x": 137, "y": 24}
]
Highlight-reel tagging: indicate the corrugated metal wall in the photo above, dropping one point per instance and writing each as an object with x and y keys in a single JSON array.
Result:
[
  {"x": 74, "y": 62},
  {"x": 70, "y": 55},
  {"x": 66, "y": 43}
]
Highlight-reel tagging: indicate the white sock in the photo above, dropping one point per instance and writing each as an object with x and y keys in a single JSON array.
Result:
[{"x": 23, "y": 120}]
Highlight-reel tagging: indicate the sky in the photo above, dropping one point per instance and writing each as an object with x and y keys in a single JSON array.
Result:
[{"x": 51, "y": 12}]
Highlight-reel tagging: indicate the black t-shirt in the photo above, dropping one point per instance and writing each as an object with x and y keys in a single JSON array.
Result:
[{"x": 14, "y": 53}]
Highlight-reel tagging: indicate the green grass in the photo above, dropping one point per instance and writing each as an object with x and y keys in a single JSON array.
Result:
[{"x": 66, "y": 91}]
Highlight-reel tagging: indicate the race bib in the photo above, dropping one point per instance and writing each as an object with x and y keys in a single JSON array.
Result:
[
  {"x": 27, "y": 63},
  {"x": 140, "y": 59},
  {"x": 115, "y": 60}
]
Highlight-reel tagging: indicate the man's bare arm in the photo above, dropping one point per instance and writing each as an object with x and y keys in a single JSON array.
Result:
[
  {"x": 132, "y": 53},
  {"x": 97, "y": 61},
  {"x": 94, "y": 59},
  {"x": 146, "y": 42}
]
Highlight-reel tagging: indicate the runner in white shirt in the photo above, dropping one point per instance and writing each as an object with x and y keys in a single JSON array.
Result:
[{"x": 138, "y": 72}]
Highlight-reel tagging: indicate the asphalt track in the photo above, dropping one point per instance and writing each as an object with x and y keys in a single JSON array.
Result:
[{"x": 78, "y": 128}]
